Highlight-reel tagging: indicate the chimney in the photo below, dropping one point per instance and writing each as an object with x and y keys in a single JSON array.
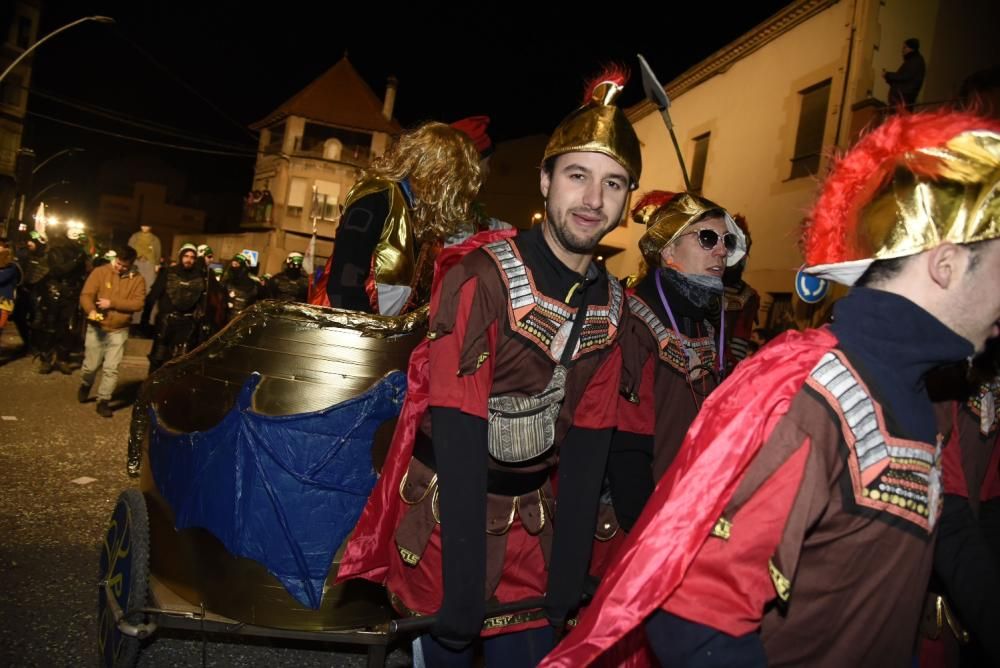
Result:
[{"x": 390, "y": 97}]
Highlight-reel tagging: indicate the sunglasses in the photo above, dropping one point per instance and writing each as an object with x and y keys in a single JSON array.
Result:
[{"x": 709, "y": 239}]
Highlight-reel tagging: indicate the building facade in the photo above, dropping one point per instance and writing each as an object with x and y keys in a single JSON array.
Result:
[
  {"x": 758, "y": 120},
  {"x": 118, "y": 217},
  {"x": 312, "y": 149},
  {"x": 18, "y": 31}
]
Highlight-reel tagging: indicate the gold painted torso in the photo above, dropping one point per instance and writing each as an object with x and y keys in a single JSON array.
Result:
[{"x": 394, "y": 258}]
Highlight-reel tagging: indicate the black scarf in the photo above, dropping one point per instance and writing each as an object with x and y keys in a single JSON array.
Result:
[{"x": 895, "y": 343}]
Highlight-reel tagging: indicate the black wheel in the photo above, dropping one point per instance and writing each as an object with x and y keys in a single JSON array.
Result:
[{"x": 125, "y": 566}]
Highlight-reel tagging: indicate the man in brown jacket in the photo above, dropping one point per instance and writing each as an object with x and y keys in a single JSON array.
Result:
[{"x": 112, "y": 293}]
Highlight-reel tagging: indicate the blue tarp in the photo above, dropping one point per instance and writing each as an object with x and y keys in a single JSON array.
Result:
[{"x": 284, "y": 491}]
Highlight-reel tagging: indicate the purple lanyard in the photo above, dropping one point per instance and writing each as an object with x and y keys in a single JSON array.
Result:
[{"x": 673, "y": 322}]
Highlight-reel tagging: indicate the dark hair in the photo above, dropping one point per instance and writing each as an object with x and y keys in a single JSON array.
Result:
[
  {"x": 912, "y": 43},
  {"x": 883, "y": 270},
  {"x": 550, "y": 164},
  {"x": 126, "y": 254},
  {"x": 880, "y": 271}
]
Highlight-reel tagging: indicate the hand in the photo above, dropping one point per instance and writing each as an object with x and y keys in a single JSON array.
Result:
[{"x": 103, "y": 303}]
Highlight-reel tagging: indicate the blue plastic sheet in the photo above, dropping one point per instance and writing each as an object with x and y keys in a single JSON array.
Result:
[{"x": 284, "y": 491}]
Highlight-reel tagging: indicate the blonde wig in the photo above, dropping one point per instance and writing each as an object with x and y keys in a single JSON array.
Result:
[{"x": 442, "y": 166}]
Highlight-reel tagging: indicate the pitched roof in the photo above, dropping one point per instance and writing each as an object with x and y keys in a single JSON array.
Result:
[{"x": 337, "y": 97}]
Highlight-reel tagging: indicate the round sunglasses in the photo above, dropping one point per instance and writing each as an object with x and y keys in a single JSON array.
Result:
[{"x": 709, "y": 239}]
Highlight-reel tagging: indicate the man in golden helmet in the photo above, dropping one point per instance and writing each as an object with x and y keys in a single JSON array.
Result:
[
  {"x": 395, "y": 219},
  {"x": 798, "y": 524},
  {"x": 674, "y": 343},
  {"x": 522, "y": 375}
]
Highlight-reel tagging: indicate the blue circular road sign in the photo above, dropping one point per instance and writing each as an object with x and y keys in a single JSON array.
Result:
[{"x": 809, "y": 288}]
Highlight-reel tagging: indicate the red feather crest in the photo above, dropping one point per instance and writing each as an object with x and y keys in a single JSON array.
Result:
[
  {"x": 856, "y": 176},
  {"x": 616, "y": 73},
  {"x": 649, "y": 203}
]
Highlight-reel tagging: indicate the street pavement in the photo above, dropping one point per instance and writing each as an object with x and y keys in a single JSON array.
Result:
[{"x": 52, "y": 524}]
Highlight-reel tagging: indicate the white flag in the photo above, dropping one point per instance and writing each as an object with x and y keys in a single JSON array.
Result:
[{"x": 310, "y": 256}]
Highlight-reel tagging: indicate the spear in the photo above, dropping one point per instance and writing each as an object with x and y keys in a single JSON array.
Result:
[{"x": 658, "y": 96}]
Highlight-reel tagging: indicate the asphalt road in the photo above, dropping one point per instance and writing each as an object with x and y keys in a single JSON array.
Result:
[{"x": 52, "y": 523}]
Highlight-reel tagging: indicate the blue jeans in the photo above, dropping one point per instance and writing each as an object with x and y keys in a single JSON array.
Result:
[{"x": 103, "y": 348}]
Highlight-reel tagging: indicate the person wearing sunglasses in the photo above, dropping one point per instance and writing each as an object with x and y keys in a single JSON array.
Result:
[
  {"x": 800, "y": 522},
  {"x": 672, "y": 346}
]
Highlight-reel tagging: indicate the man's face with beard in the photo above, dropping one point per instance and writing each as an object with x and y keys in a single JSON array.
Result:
[
  {"x": 585, "y": 197},
  {"x": 187, "y": 259}
]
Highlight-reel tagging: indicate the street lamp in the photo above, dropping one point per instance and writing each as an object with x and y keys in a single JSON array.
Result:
[
  {"x": 65, "y": 151},
  {"x": 44, "y": 190},
  {"x": 98, "y": 19}
]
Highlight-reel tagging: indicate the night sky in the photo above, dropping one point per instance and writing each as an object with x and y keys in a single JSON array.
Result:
[{"x": 198, "y": 74}]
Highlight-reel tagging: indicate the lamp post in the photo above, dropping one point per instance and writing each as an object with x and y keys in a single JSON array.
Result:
[
  {"x": 27, "y": 52},
  {"x": 65, "y": 151},
  {"x": 38, "y": 195},
  {"x": 18, "y": 204},
  {"x": 25, "y": 179}
]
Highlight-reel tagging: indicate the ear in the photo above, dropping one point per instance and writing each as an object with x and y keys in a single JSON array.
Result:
[
  {"x": 544, "y": 182},
  {"x": 946, "y": 264},
  {"x": 667, "y": 256}
]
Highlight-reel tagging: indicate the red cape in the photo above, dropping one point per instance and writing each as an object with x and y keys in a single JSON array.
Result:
[
  {"x": 372, "y": 545},
  {"x": 733, "y": 424},
  {"x": 317, "y": 287}
]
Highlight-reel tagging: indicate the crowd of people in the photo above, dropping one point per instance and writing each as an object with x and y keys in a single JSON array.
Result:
[
  {"x": 631, "y": 462},
  {"x": 634, "y": 472},
  {"x": 71, "y": 306}
]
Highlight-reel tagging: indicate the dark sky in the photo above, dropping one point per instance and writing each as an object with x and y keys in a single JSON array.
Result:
[{"x": 207, "y": 70}]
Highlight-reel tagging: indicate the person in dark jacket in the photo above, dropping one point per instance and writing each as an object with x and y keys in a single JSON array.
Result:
[
  {"x": 905, "y": 83},
  {"x": 242, "y": 288},
  {"x": 291, "y": 284},
  {"x": 31, "y": 259},
  {"x": 178, "y": 293},
  {"x": 57, "y": 302}
]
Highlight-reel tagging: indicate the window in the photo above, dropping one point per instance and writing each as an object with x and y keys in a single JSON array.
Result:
[
  {"x": 10, "y": 90},
  {"x": 296, "y": 197},
  {"x": 327, "y": 196},
  {"x": 812, "y": 121},
  {"x": 697, "y": 174},
  {"x": 277, "y": 138}
]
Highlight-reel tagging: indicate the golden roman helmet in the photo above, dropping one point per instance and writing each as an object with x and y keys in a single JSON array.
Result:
[
  {"x": 668, "y": 215},
  {"x": 916, "y": 181},
  {"x": 599, "y": 126}
]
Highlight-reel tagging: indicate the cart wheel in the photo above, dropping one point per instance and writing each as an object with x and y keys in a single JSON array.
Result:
[{"x": 125, "y": 566}]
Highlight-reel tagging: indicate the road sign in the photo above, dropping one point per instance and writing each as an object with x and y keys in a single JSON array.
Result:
[
  {"x": 252, "y": 255},
  {"x": 811, "y": 289}
]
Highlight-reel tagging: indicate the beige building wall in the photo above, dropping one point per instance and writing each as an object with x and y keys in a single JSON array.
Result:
[
  {"x": 752, "y": 111},
  {"x": 748, "y": 97},
  {"x": 751, "y": 104}
]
